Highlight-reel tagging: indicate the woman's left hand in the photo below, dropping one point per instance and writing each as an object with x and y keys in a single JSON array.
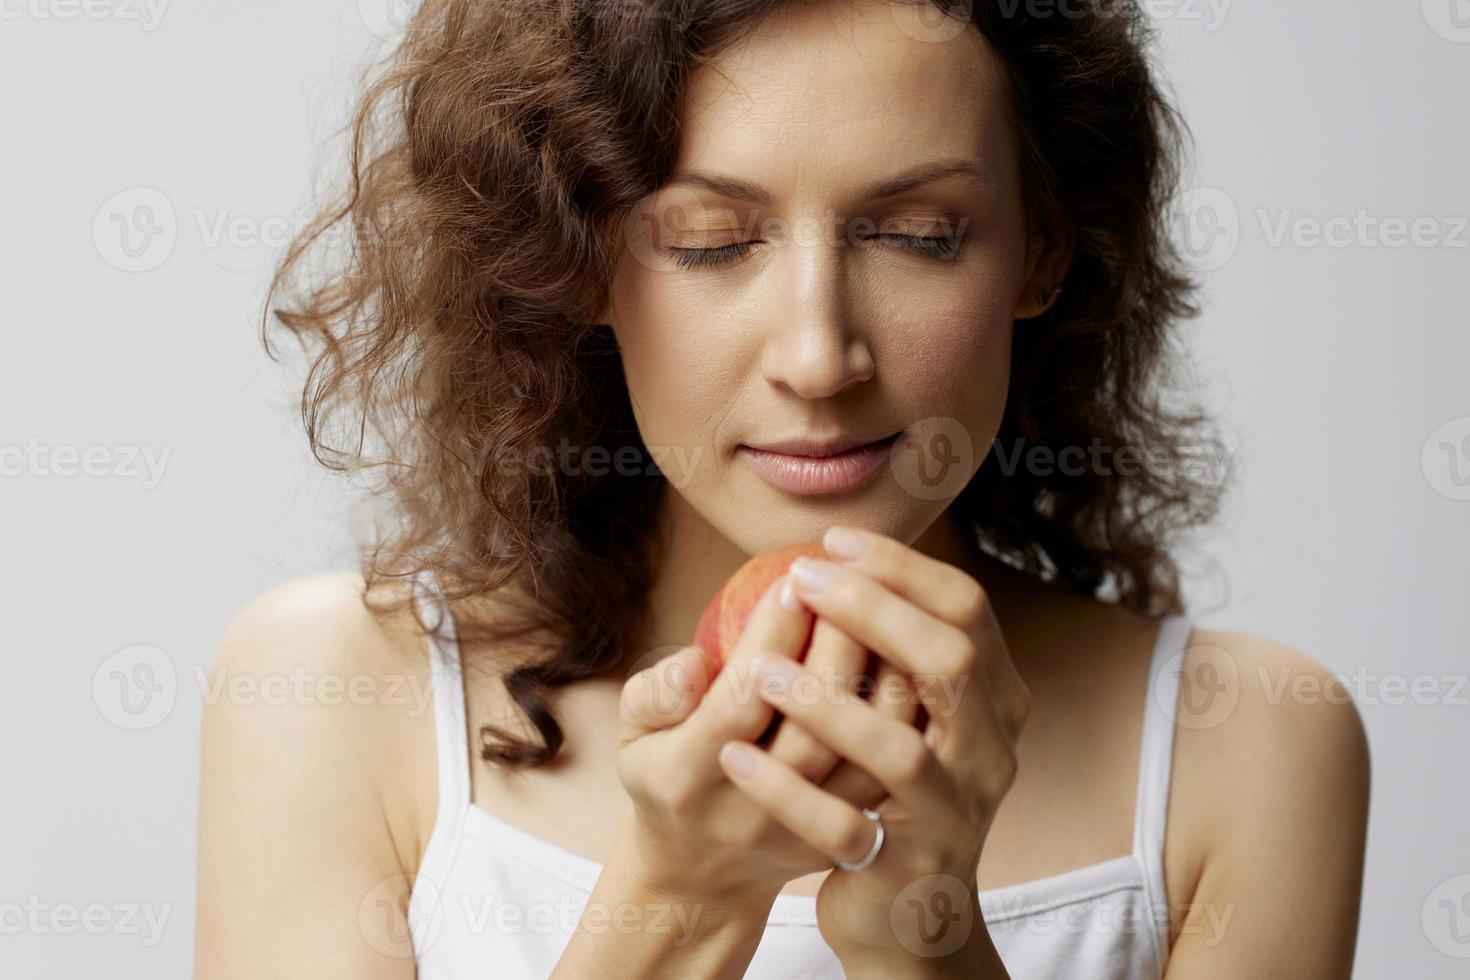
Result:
[{"x": 917, "y": 902}]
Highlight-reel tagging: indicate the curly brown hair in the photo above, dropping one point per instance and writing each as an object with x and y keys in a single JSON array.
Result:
[{"x": 493, "y": 156}]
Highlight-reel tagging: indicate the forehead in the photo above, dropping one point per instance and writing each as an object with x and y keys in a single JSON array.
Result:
[{"x": 833, "y": 92}]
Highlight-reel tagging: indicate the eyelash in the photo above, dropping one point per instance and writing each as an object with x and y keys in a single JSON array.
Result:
[{"x": 942, "y": 248}]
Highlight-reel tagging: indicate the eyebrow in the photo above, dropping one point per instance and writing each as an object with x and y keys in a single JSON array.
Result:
[{"x": 738, "y": 189}]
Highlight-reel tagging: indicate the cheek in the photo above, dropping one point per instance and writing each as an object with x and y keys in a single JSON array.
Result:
[
  {"x": 948, "y": 347},
  {"x": 671, "y": 362}
]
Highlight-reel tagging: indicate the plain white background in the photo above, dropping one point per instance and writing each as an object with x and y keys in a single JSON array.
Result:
[{"x": 156, "y": 478}]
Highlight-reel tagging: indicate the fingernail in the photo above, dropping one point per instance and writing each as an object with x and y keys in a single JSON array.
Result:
[
  {"x": 788, "y": 596},
  {"x": 738, "y": 760},
  {"x": 845, "y": 542},
  {"x": 812, "y": 574}
]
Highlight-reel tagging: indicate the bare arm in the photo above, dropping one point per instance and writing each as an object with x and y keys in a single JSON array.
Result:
[
  {"x": 298, "y": 873},
  {"x": 1285, "y": 775},
  {"x": 658, "y": 933}
]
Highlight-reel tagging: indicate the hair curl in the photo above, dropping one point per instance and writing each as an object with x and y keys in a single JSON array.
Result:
[{"x": 492, "y": 156}]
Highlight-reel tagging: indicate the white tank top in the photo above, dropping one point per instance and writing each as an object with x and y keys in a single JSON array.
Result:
[{"x": 493, "y": 900}]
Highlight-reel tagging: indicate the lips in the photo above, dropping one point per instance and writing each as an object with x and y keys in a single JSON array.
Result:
[
  {"x": 843, "y": 464},
  {"x": 816, "y": 448}
]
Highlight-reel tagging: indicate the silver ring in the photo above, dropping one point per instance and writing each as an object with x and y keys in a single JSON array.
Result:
[{"x": 872, "y": 851}]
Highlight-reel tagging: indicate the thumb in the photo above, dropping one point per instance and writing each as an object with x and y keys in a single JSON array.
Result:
[{"x": 663, "y": 695}]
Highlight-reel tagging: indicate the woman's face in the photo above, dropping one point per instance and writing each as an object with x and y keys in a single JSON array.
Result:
[{"x": 805, "y": 302}]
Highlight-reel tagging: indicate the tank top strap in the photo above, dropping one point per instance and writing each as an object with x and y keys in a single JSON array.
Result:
[
  {"x": 447, "y": 678},
  {"x": 1155, "y": 764}
]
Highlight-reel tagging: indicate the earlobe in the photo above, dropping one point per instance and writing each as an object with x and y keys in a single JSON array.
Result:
[
  {"x": 1035, "y": 302},
  {"x": 1048, "y": 256}
]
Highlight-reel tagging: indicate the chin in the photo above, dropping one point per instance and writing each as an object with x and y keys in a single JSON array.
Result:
[{"x": 766, "y": 518}]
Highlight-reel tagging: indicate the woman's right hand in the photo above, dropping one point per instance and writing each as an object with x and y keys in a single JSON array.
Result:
[{"x": 695, "y": 833}]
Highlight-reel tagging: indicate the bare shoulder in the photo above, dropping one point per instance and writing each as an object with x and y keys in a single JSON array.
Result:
[
  {"x": 1258, "y": 704},
  {"x": 315, "y": 729},
  {"x": 322, "y": 620},
  {"x": 321, "y": 686},
  {"x": 1270, "y": 787}
]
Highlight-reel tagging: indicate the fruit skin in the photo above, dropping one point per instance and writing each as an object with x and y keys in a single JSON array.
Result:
[{"x": 727, "y": 612}]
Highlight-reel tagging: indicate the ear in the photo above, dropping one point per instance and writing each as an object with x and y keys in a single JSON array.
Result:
[{"x": 1049, "y": 243}]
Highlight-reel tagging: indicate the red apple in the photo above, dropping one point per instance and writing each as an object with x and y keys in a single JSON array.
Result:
[{"x": 724, "y": 618}]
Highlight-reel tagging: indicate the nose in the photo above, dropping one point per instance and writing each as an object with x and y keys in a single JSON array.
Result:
[{"x": 813, "y": 348}]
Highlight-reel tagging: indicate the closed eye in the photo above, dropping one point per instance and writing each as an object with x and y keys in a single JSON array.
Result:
[
  {"x": 943, "y": 247},
  {"x": 689, "y": 258}
]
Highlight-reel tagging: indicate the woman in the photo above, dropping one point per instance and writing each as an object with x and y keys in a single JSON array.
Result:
[{"x": 639, "y": 289}]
